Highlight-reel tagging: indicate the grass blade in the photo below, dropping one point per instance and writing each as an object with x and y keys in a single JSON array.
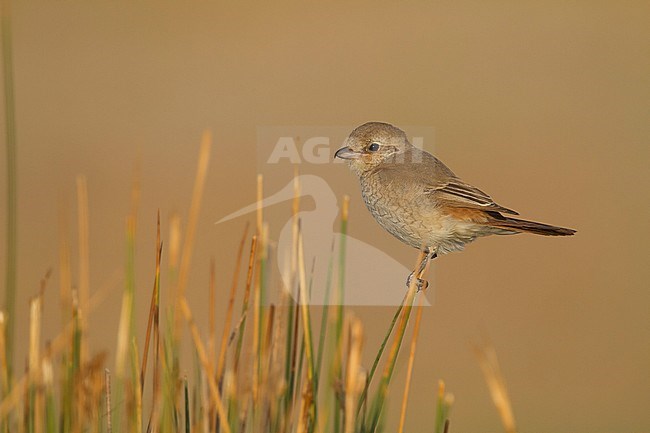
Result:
[
  {"x": 336, "y": 373},
  {"x": 306, "y": 322},
  {"x": 324, "y": 313},
  {"x": 231, "y": 302},
  {"x": 84, "y": 255},
  {"x": 244, "y": 313},
  {"x": 48, "y": 381},
  {"x": 195, "y": 207},
  {"x": 12, "y": 188},
  {"x": 380, "y": 352},
  {"x": 136, "y": 419},
  {"x": 154, "y": 307},
  {"x": 409, "y": 372},
  {"x": 353, "y": 380},
  {"x": 109, "y": 418},
  {"x": 442, "y": 409},
  {"x": 489, "y": 363},
  {"x": 187, "y": 405},
  {"x": 35, "y": 416},
  {"x": 382, "y": 392}
]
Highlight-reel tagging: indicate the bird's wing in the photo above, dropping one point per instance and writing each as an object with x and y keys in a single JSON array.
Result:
[{"x": 456, "y": 193}]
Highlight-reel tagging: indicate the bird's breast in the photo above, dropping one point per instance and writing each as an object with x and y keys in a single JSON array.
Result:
[{"x": 397, "y": 208}]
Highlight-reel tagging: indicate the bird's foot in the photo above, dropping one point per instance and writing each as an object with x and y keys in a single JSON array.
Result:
[{"x": 420, "y": 283}]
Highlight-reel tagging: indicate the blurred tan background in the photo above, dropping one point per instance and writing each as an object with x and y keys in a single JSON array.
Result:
[{"x": 543, "y": 105}]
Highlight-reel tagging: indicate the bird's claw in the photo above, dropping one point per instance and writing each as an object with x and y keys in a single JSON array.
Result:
[{"x": 420, "y": 283}]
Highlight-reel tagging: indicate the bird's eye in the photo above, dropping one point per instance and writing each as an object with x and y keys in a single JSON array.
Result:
[{"x": 373, "y": 147}]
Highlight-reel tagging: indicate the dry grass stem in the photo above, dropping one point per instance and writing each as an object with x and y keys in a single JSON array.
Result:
[
  {"x": 195, "y": 206},
  {"x": 109, "y": 418},
  {"x": 35, "y": 316},
  {"x": 241, "y": 326},
  {"x": 84, "y": 255},
  {"x": 231, "y": 303},
  {"x": 212, "y": 314},
  {"x": 489, "y": 363},
  {"x": 354, "y": 379},
  {"x": 203, "y": 357},
  {"x": 411, "y": 361},
  {"x": 154, "y": 309},
  {"x": 304, "y": 301}
]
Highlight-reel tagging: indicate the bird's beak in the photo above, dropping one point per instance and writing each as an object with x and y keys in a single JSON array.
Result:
[{"x": 347, "y": 153}]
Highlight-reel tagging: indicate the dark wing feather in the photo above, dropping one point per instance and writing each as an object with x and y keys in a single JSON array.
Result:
[{"x": 457, "y": 193}]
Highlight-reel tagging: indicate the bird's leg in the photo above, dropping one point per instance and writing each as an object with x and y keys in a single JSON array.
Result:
[{"x": 421, "y": 283}]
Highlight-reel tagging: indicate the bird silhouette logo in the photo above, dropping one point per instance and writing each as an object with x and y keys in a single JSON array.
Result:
[{"x": 372, "y": 276}]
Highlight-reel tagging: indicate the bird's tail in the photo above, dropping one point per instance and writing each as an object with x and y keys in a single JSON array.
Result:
[{"x": 518, "y": 225}]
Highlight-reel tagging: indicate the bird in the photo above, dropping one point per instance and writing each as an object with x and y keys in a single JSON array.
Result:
[{"x": 415, "y": 197}]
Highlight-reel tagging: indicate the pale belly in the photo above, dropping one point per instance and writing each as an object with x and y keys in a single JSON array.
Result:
[{"x": 419, "y": 223}]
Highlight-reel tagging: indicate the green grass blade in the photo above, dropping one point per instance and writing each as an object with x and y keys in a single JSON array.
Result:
[
  {"x": 336, "y": 372},
  {"x": 443, "y": 405},
  {"x": 323, "y": 323},
  {"x": 380, "y": 352},
  {"x": 382, "y": 392},
  {"x": 292, "y": 348},
  {"x": 12, "y": 212},
  {"x": 307, "y": 334},
  {"x": 187, "y": 406}
]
